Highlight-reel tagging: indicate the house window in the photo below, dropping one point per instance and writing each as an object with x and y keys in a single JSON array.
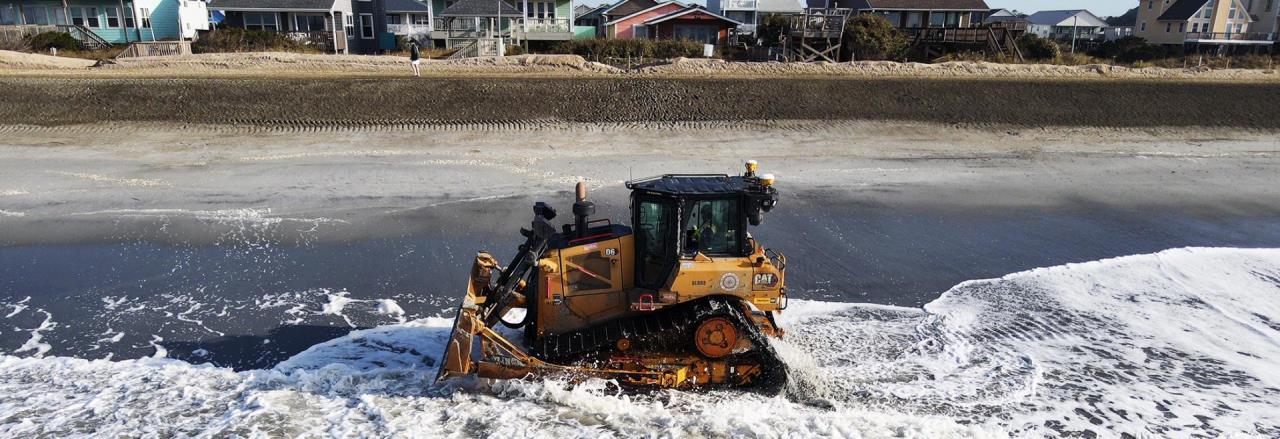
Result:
[
  {"x": 1144, "y": 27},
  {"x": 351, "y": 28},
  {"x": 113, "y": 17},
  {"x": 308, "y": 23},
  {"x": 1168, "y": 27},
  {"x": 1195, "y": 27},
  {"x": 267, "y": 21},
  {"x": 37, "y": 15},
  {"x": 1182, "y": 27},
  {"x": 937, "y": 19},
  {"x": 394, "y": 18},
  {"x": 91, "y": 17},
  {"x": 421, "y": 19},
  {"x": 145, "y": 14},
  {"x": 640, "y": 32},
  {"x": 895, "y": 18},
  {"x": 1270, "y": 3},
  {"x": 128, "y": 18},
  {"x": 541, "y": 10},
  {"x": 366, "y": 26}
]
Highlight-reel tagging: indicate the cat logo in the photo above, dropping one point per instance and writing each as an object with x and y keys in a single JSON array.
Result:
[{"x": 764, "y": 281}]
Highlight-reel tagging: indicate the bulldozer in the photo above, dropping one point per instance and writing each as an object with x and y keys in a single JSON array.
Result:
[{"x": 684, "y": 298}]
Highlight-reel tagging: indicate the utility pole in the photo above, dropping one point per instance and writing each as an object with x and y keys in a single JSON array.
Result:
[{"x": 1075, "y": 31}]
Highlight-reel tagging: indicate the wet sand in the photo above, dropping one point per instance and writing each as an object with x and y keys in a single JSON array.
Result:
[{"x": 253, "y": 231}]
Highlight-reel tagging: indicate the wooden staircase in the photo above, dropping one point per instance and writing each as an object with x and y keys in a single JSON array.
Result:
[
  {"x": 88, "y": 39},
  {"x": 478, "y": 47},
  {"x": 467, "y": 50}
]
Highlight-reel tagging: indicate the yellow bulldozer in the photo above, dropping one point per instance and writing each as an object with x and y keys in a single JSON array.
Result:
[{"x": 685, "y": 298}]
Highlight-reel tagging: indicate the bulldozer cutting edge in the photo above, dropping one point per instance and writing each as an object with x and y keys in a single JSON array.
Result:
[{"x": 685, "y": 299}]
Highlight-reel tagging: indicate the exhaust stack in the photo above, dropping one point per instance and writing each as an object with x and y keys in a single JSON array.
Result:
[{"x": 582, "y": 210}]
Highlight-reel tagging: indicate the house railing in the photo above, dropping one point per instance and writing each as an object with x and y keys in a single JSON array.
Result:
[
  {"x": 1229, "y": 36},
  {"x": 738, "y": 4},
  {"x": 470, "y": 27},
  {"x": 1017, "y": 26},
  {"x": 947, "y": 35},
  {"x": 19, "y": 31},
  {"x": 819, "y": 23},
  {"x": 156, "y": 48},
  {"x": 408, "y": 29},
  {"x": 546, "y": 25},
  {"x": 322, "y": 40}
]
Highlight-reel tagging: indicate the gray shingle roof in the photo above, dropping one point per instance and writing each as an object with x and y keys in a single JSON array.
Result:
[
  {"x": 405, "y": 6},
  {"x": 1182, "y": 10},
  {"x": 629, "y": 7},
  {"x": 481, "y": 8},
  {"x": 689, "y": 10},
  {"x": 1130, "y": 18},
  {"x": 306, "y": 5},
  {"x": 973, "y": 5},
  {"x": 1051, "y": 18}
]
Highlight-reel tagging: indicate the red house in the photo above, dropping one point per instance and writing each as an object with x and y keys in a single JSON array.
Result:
[
  {"x": 667, "y": 21},
  {"x": 691, "y": 23},
  {"x": 625, "y": 26}
]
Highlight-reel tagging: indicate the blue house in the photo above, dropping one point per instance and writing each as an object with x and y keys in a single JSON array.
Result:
[{"x": 110, "y": 21}]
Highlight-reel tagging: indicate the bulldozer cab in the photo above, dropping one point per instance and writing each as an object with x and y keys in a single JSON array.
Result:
[{"x": 682, "y": 216}]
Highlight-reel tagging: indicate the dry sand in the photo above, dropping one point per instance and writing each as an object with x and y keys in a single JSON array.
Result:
[
  {"x": 293, "y": 64},
  {"x": 956, "y": 69},
  {"x": 18, "y": 61}
]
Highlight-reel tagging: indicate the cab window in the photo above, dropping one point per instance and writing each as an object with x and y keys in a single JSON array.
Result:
[
  {"x": 711, "y": 227},
  {"x": 654, "y": 220}
]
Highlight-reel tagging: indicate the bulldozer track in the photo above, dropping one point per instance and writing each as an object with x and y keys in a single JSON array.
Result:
[
  {"x": 664, "y": 329},
  {"x": 255, "y": 126},
  {"x": 501, "y": 103}
]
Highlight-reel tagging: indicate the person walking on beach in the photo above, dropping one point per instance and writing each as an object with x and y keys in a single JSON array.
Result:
[{"x": 415, "y": 56}]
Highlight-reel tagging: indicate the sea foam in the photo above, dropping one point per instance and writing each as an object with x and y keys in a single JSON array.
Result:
[{"x": 1170, "y": 344}]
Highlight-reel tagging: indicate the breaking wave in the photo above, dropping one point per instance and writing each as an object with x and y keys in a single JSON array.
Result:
[{"x": 1179, "y": 343}]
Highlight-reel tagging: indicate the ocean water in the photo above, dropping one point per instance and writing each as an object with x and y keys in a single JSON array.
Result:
[{"x": 1179, "y": 343}]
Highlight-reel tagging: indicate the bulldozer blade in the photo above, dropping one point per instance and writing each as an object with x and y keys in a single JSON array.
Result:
[{"x": 457, "y": 360}]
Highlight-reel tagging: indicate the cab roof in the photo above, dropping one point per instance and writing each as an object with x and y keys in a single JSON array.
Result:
[{"x": 692, "y": 184}]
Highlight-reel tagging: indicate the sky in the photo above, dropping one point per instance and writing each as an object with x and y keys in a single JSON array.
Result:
[{"x": 1103, "y": 8}]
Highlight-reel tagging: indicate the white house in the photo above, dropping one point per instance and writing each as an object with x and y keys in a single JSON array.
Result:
[
  {"x": 749, "y": 12},
  {"x": 1065, "y": 25}
]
